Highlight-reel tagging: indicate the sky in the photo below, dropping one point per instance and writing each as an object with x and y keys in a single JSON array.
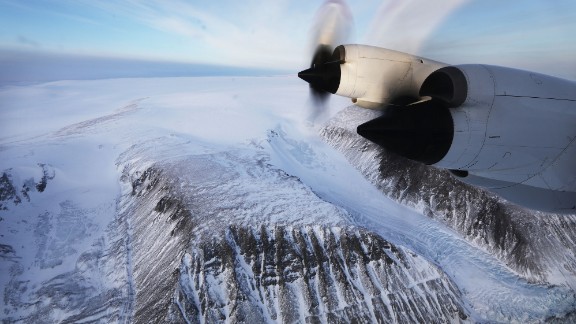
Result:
[{"x": 274, "y": 35}]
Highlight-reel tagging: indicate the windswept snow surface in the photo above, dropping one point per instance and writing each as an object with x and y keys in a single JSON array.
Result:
[{"x": 67, "y": 236}]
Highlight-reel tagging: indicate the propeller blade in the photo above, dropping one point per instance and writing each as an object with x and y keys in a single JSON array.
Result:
[
  {"x": 333, "y": 23},
  {"x": 332, "y": 26}
]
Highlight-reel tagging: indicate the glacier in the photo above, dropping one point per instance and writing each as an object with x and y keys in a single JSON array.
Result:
[{"x": 227, "y": 199}]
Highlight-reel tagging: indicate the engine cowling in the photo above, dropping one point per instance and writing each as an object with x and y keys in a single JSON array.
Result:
[{"x": 372, "y": 77}]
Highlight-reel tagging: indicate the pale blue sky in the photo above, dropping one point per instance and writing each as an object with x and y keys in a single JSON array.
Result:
[{"x": 273, "y": 34}]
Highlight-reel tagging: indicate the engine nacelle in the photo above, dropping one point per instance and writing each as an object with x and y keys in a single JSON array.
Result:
[
  {"x": 514, "y": 133},
  {"x": 374, "y": 77},
  {"x": 510, "y": 131}
]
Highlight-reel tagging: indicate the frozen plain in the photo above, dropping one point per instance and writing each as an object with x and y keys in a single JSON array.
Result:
[{"x": 77, "y": 158}]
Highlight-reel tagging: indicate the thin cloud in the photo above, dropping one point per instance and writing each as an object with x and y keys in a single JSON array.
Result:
[
  {"x": 27, "y": 41},
  {"x": 404, "y": 25},
  {"x": 257, "y": 34},
  {"x": 276, "y": 34}
]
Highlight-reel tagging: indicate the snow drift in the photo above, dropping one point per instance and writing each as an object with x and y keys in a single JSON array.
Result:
[{"x": 217, "y": 200}]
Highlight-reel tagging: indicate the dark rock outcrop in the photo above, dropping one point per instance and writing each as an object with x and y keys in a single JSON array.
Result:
[{"x": 197, "y": 258}]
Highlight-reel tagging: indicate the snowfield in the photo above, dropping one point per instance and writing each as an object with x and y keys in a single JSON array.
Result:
[{"x": 227, "y": 199}]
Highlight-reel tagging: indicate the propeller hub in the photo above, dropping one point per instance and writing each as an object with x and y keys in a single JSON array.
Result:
[{"x": 323, "y": 77}]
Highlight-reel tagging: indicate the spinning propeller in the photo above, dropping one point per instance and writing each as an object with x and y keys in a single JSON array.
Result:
[{"x": 332, "y": 26}]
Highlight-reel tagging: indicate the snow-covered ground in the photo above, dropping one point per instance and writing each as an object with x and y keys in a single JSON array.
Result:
[{"x": 66, "y": 145}]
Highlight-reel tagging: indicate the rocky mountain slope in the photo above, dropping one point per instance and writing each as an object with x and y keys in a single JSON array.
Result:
[
  {"x": 223, "y": 251},
  {"x": 537, "y": 245}
]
